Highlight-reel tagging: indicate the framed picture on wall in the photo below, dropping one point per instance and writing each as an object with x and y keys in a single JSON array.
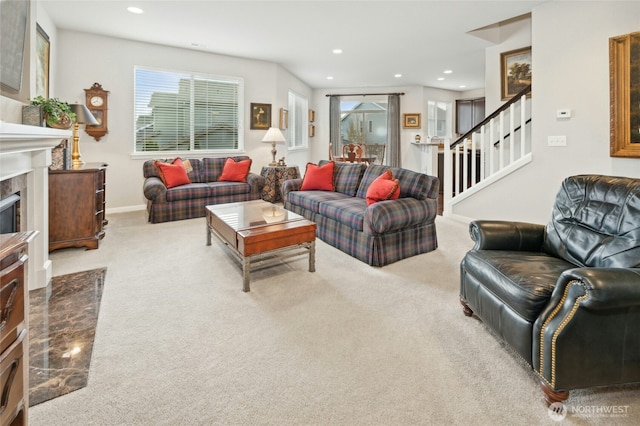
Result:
[
  {"x": 515, "y": 72},
  {"x": 284, "y": 119},
  {"x": 411, "y": 121},
  {"x": 260, "y": 116},
  {"x": 624, "y": 96},
  {"x": 43, "y": 48}
]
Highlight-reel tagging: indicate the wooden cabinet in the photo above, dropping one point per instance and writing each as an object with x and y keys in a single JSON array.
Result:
[
  {"x": 469, "y": 112},
  {"x": 14, "y": 341},
  {"x": 77, "y": 206}
]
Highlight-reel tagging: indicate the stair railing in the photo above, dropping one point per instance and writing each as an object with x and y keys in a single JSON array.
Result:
[{"x": 493, "y": 148}]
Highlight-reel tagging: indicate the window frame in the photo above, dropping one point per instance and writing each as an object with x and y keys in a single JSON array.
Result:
[
  {"x": 298, "y": 120},
  {"x": 192, "y": 152}
]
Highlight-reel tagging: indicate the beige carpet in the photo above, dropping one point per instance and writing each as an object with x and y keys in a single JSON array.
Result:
[{"x": 179, "y": 343}]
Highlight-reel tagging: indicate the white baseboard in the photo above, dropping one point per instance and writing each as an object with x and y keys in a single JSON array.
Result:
[{"x": 126, "y": 209}]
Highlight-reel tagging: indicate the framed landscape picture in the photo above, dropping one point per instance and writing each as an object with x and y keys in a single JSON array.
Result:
[
  {"x": 43, "y": 48},
  {"x": 260, "y": 116},
  {"x": 515, "y": 72},
  {"x": 411, "y": 121}
]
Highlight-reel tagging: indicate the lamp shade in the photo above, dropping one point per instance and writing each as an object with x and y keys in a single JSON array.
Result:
[
  {"x": 273, "y": 135},
  {"x": 83, "y": 115}
]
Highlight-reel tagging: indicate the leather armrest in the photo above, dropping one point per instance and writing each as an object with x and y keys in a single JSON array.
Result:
[
  {"x": 506, "y": 235},
  {"x": 606, "y": 288}
]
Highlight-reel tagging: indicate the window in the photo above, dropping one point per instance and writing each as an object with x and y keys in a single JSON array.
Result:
[
  {"x": 298, "y": 121},
  {"x": 184, "y": 112},
  {"x": 438, "y": 119}
]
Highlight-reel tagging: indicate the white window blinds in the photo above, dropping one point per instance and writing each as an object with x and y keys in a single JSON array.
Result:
[{"x": 187, "y": 112}]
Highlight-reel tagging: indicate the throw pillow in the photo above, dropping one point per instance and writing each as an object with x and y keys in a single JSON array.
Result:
[
  {"x": 384, "y": 187},
  {"x": 235, "y": 171},
  {"x": 173, "y": 174},
  {"x": 318, "y": 178}
]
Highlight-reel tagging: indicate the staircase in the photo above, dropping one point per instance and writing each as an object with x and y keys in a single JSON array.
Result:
[{"x": 493, "y": 149}]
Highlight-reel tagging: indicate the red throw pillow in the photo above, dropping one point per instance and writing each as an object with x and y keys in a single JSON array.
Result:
[
  {"x": 384, "y": 187},
  {"x": 318, "y": 178},
  {"x": 235, "y": 172},
  {"x": 173, "y": 174}
]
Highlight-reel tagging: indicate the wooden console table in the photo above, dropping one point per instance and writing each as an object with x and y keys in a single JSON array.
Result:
[{"x": 77, "y": 202}]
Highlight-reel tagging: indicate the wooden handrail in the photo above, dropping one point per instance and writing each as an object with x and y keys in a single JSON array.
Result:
[{"x": 497, "y": 112}]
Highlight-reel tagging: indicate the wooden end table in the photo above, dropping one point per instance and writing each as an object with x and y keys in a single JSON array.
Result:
[{"x": 260, "y": 233}]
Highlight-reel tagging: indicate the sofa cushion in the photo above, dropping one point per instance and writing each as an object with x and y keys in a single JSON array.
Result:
[
  {"x": 412, "y": 184},
  {"x": 384, "y": 187},
  {"x": 318, "y": 178},
  {"x": 207, "y": 190},
  {"x": 173, "y": 174},
  {"x": 346, "y": 176},
  {"x": 150, "y": 168},
  {"x": 522, "y": 280},
  {"x": 349, "y": 211},
  {"x": 310, "y": 200},
  {"x": 595, "y": 222},
  {"x": 235, "y": 171},
  {"x": 212, "y": 167}
]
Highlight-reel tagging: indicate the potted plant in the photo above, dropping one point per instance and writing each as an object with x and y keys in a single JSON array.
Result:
[{"x": 57, "y": 113}]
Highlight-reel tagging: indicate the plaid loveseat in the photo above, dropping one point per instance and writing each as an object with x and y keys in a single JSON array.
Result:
[
  {"x": 188, "y": 201},
  {"x": 381, "y": 233}
]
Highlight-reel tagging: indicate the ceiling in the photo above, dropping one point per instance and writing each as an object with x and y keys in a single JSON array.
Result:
[{"x": 418, "y": 39}]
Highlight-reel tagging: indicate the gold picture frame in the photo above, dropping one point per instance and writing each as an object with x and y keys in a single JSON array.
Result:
[
  {"x": 260, "y": 116},
  {"x": 43, "y": 49},
  {"x": 411, "y": 121},
  {"x": 284, "y": 119},
  {"x": 624, "y": 98},
  {"x": 515, "y": 72}
]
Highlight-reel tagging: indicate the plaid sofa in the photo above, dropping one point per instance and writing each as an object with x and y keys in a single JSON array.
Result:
[
  {"x": 381, "y": 233},
  {"x": 188, "y": 201}
]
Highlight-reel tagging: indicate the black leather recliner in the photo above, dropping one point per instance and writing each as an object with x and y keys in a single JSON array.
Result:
[{"x": 566, "y": 295}]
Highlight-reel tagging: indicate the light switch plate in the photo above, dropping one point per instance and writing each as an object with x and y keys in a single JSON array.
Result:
[{"x": 557, "y": 141}]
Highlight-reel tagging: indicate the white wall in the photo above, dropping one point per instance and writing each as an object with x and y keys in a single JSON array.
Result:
[
  {"x": 570, "y": 63},
  {"x": 84, "y": 59}
]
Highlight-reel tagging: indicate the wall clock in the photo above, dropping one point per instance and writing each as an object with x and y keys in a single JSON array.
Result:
[{"x": 97, "y": 102}]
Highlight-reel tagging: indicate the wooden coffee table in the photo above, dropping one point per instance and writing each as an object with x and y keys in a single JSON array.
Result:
[{"x": 260, "y": 233}]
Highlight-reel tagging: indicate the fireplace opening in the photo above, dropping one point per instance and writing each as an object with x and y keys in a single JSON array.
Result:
[{"x": 10, "y": 214}]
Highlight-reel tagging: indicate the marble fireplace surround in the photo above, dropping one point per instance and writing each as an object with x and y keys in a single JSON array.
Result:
[{"x": 25, "y": 156}]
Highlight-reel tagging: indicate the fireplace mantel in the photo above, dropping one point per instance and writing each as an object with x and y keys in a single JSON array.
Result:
[{"x": 26, "y": 150}]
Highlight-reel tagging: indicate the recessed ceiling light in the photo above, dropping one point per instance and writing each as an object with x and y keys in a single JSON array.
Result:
[
  {"x": 134, "y": 9},
  {"x": 329, "y": 77},
  {"x": 440, "y": 78},
  {"x": 337, "y": 51},
  {"x": 462, "y": 86},
  {"x": 397, "y": 75},
  {"x": 447, "y": 71}
]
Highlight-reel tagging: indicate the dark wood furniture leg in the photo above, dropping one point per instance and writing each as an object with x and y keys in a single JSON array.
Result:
[{"x": 551, "y": 396}]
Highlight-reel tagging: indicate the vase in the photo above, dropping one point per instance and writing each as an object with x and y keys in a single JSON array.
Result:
[{"x": 65, "y": 122}]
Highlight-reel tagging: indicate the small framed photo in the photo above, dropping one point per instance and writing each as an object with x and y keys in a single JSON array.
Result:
[
  {"x": 515, "y": 72},
  {"x": 312, "y": 116},
  {"x": 411, "y": 121},
  {"x": 260, "y": 116},
  {"x": 284, "y": 119}
]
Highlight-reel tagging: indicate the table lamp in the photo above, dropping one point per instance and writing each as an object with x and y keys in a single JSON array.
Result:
[
  {"x": 273, "y": 136},
  {"x": 83, "y": 116}
]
